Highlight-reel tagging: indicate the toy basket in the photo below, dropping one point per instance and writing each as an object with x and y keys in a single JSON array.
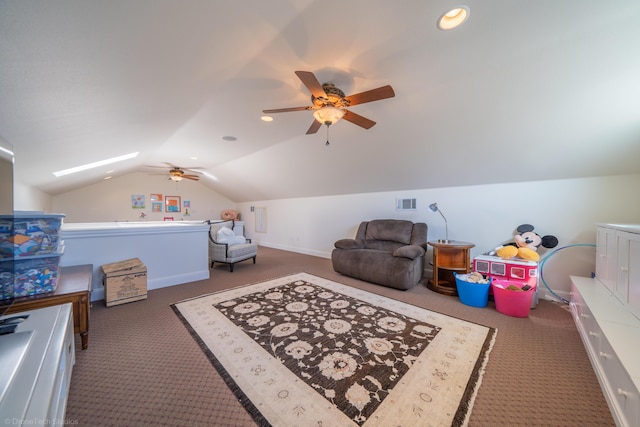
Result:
[
  {"x": 512, "y": 303},
  {"x": 472, "y": 294}
]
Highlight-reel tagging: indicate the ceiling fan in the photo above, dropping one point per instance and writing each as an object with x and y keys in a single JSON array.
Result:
[
  {"x": 177, "y": 173},
  {"x": 330, "y": 104}
]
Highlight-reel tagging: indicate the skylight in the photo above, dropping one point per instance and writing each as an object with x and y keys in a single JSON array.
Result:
[{"x": 95, "y": 164}]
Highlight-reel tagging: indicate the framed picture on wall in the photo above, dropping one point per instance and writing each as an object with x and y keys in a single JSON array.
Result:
[
  {"x": 172, "y": 204},
  {"x": 137, "y": 201},
  {"x": 156, "y": 207},
  {"x": 155, "y": 197}
]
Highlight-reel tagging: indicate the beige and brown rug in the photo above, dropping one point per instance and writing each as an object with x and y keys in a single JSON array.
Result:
[{"x": 303, "y": 350}]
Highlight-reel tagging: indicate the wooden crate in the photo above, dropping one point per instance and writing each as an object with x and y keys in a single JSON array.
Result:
[{"x": 124, "y": 281}]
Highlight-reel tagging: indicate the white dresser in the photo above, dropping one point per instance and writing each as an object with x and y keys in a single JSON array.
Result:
[
  {"x": 606, "y": 310},
  {"x": 37, "y": 360}
]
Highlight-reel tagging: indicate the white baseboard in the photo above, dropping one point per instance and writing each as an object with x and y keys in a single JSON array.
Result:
[
  {"x": 296, "y": 249},
  {"x": 544, "y": 293}
]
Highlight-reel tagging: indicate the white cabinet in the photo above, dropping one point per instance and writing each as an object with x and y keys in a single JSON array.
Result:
[
  {"x": 606, "y": 310},
  {"x": 628, "y": 279},
  {"x": 606, "y": 245},
  {"x": 618, "y": 262},
  {"x": 36, "y": 389}
]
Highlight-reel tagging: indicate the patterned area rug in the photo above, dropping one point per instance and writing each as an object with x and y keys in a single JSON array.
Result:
[{"x": 303, "y": 350}]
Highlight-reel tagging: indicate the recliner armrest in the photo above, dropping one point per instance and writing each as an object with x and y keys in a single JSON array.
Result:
[
  {"x": 409, "y": 251},
  {"x": 347, "y": 244}
]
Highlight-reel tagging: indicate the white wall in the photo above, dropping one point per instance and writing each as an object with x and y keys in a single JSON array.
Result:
[
  {"x": 486, "y": 215},
  {"x": 110, "y": 200},
  {"x": 26, "y": 198}
]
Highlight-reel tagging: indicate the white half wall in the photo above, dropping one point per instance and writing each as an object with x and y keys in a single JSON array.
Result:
[
  {"x": 173, "y": 252},
  {"x": 486, "y": 215}
]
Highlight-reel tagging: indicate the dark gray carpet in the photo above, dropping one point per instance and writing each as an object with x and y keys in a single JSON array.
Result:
[{"x": 143, "y": 368}]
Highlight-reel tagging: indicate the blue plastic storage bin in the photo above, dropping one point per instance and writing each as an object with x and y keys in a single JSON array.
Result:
[
  {"x": 29, "y": 275},
  {"x": 29, "y": 233},
  {"x": 473, "y": 294}
]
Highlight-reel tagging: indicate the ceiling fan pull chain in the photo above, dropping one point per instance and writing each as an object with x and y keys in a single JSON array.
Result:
[{"x": 327, "y": 143}]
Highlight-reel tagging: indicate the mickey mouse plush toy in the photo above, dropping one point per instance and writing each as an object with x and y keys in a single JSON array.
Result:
[{"x": 526, "y": 244}]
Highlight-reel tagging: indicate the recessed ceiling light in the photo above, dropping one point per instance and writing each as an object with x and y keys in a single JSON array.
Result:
[
  {"x": 193, "y": 158},
  {"x": 107, "y": 177},
  {"x": 266, "y": 118},
  {"x": 95, "y": 164},
  {"x": 453, "y": 18},
  {"x": 229, "y": 138}
]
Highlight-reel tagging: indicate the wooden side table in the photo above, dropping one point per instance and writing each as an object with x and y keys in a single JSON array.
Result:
[
  {"x": 74, "y": 286},
  {"x": 449, "y": 257}
]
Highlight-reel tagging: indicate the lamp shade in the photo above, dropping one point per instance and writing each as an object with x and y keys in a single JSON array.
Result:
[{"x": 328, "y": 115}]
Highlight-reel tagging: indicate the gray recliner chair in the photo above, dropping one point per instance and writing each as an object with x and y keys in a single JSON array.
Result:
[
  {"x": 387, "y": 252},
  {"x": 227, "y": 248}
]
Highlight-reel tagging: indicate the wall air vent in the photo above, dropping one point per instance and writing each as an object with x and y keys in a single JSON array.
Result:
[{"x": 406, "y": 204}]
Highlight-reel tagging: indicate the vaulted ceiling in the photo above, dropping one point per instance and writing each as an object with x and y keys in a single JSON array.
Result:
[{"x": 523, "y": 90}]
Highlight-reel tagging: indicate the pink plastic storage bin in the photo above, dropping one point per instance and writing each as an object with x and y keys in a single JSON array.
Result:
[{"x": 512, "y": 303}]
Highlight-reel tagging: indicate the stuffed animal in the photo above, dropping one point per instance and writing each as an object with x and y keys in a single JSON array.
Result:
[
  {"x": 526, "y": 244},
  {"x": 230, "y": 214}
]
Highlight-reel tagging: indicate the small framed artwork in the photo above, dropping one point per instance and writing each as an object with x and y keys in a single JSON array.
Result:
[
  {"x": 155, "y": 197},
  {"x": 172, "y": 204},
  {"x": 156, "y": 207},
  {"x": 137, "y": 201}
]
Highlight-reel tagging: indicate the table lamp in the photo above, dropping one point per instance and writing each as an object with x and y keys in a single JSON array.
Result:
[{"x": 433, "y": 207}]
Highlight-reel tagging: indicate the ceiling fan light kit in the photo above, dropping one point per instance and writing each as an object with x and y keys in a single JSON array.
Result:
[
  {"x": 177, "y": 174},
  {"x": 328, "y": 114}
]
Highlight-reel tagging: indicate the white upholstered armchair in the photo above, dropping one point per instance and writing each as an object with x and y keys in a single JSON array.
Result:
[{"x": 227, "y": 248}]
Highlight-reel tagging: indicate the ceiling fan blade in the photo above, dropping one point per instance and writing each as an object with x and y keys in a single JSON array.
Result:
[
  {"x": 191, "y": 177},
  {"x": 371, "y": 95},
  {"x": 357, "y": 119},
  {"x": 315, "y": 126},
  {"x": 286, "y": 110},
  {"x": 311, "y": 82}
]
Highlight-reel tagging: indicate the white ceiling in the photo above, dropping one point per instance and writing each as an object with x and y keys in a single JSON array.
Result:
[{"x": 524, "y": 90}]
